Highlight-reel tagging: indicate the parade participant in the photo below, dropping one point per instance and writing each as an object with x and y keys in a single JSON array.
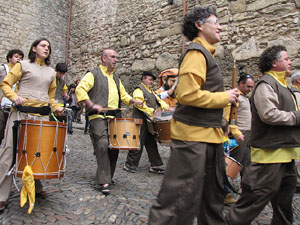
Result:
[
  {"x": 193, "y": 183},
  {"x": 165, "y": 91},
  {"x": 36, "y": 88},
  {"x": 77, "y": 119},
  {"x": 73, "y": 104},
  {"x": 61, "y": 94},
  {"x": 102, "y": 88},
  {"x": 12, "y": 57},
  {"x": 145, "y": 94},
  {"x": 295, "y": 79},
  {"x": 242, "y": 135},
  {"x": 274, "y": 142}
]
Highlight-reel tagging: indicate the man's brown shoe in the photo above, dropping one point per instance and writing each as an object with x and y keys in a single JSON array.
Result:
[{"x": 2, "y": 206}]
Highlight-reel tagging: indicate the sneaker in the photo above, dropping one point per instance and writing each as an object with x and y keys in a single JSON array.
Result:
[
  {"x": 128, "y": 169},
  {"x": 105, "y": 189},
  {"x": 157, "y": 170},
  {"x": 113, "y": 182},
  {"x": 229, "y": 199},
  {"x": 2, "y": 206}
]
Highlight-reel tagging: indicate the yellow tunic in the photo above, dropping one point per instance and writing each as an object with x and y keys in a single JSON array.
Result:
[
  {"x": 192, "y": 76},
  {"x": 15, "y": 75},
  {"x": 138, "y": 95},
  {"x": 87, "y": 83}
]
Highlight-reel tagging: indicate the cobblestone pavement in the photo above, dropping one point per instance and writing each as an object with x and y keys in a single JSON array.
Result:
[{"x": 76, "y": 199}]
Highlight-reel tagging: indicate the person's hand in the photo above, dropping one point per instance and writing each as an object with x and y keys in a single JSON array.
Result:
[
  {"x": 171, "y": 108},
  {"x": 240, "y": 138},
  {"x": 233, "y": 95},
  {"x": 137, "y": 102},
  {"x": 67, "y": 97},
  {"x": 170, "y": 91},
  {"x": 59, "y": 111},
  {"x": 19, "y": 100},
  {"x": 96, "y": 107}
]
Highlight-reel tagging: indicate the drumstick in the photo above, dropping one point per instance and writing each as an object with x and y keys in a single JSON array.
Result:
[
  {"x": 112, "y": 109},
  {"x": 175, "y": 84}
]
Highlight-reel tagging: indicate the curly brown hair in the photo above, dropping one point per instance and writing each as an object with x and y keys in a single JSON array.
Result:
[
  {"x": 268, "y": 56},
  {"x": 198, "y": 14}
]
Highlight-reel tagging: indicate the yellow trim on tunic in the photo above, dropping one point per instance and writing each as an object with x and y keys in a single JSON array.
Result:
[
  {"x": 192, "y": 76},
  {"x": 87, "y": 83},
  {"x": 138, "y": 95},
  {"x": 280, "y": 155}
]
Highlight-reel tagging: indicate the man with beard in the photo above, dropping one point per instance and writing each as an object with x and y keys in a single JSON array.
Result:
[{"x": 165, "y": 91}]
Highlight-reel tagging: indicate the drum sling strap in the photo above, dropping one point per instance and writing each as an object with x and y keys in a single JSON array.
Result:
[
  {"x": 43, "y": 110},
  {"x": 15, "y": 130}
]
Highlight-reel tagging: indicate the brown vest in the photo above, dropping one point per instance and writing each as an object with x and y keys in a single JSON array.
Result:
[
  {"x": 60, "y": 83},
  {"x": 99, "y": 93},
  {"x": 274, "y": 136},
  {"x": 202, "y": 117},
  {"x": 150, "y": 99}
]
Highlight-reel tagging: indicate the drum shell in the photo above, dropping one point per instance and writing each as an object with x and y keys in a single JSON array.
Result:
[
  {"x": 163, "y": 133},
  {"x": 40, "y": 136},
  {"x": 233, "y": 167},
  {"x": 124, "y": 133}
]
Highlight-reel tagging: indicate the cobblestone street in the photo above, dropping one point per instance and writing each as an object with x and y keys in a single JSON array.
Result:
[{"x": 77, "y": 200}]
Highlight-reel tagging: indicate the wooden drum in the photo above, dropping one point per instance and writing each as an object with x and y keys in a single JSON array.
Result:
[
  {"x": 41, "y": 145},
  {"x": 162, "y": 128},
  {"x": 233, "y": 167},
  {"x": 124, "y": 133}
]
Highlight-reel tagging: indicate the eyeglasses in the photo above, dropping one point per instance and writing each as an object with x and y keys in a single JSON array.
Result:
[{"x": 214, "y": 21}]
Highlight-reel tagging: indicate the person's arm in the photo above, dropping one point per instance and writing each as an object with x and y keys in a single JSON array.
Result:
[
  {"x": 51, "y": 94},
  {"x": 139, "y": 96},
  {"x": 192, "y": 76},
  {"x": 266, "y": 103}
]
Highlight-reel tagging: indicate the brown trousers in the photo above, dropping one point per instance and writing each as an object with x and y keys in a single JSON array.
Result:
[
  {"x": 106, "y": 159},
  {"x": 147, "y": 140},
  {"x": 262, "y": 183},
  {"x": 193, "y": 186}
]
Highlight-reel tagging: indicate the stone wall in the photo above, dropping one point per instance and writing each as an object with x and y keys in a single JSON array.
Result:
[
  {"x": 147, "y": 33},
  {"x": 24, "y": 21}
]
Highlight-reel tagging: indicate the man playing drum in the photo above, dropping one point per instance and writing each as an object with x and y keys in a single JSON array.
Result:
[
  {"x": 36, "y": 88},
  {"x": 144, "y": 93},
  {"x": 97, "y": 89},
  {"x": 12, "y": 57},
  {"x": 193, "y": 181}
]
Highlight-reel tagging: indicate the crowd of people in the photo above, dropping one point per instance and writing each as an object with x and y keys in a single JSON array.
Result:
[{"x": 195, "y": 184}]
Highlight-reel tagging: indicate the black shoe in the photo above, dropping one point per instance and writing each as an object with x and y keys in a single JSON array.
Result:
[
  {"x": 157, "y": 170},
  {"x": 128, "y": 169},
  {"x": 70, "y": 132},
  {"x": 106, "y": 189}
]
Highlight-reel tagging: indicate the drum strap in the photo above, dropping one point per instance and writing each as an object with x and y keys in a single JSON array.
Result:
[
  {"x": 43, "y": 110},
  {"x": 15, "y": 129}
]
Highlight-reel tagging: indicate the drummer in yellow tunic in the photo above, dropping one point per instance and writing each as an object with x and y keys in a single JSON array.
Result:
[
  {"x": 144, "y": 93},
  {"x": 36, "y": 88},
  {"x": 193, "y": 182},
  {"x": 97, "y": 89}
]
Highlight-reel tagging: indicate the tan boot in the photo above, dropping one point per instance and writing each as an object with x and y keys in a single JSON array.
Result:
[{"x": 229, "y": 199}]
